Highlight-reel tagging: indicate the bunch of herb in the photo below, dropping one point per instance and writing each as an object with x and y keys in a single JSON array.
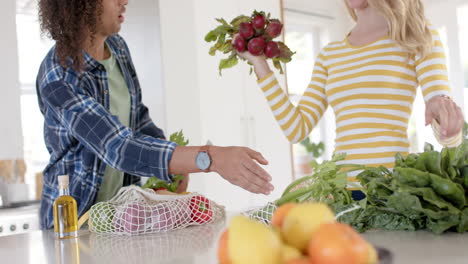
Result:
[{"x": 157, "y": 184}]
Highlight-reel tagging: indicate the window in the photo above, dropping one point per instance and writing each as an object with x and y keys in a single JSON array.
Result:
[
  {"x": 418, "y": 132},
  {"x": 463, "y": 35},
  {"x": 32, "y": 47},
  {"x": 307, "y": 42}
]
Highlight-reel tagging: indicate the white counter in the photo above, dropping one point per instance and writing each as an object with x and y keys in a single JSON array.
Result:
[{"x": 197, "y": 245}]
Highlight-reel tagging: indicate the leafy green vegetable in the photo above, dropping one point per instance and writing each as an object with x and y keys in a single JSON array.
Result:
[
  {"x": 179, "y": 138},
  {"x": 424, "y": 191},
  {"x": 327, "y": 185},
  {"x": 155, "y": 183},
  {"x": 228, "y": 63},
  {"x": 412, "y": 177}
]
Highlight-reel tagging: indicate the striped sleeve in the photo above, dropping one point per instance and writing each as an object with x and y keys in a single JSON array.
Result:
[
  {"x": 297, "y": 122},
  {"x": 431, "y": 71},
  {"x": 446, "y": 142},
  {"x": 432, "y": 76}
]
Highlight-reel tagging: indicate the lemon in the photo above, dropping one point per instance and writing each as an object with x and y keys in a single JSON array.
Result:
[
  {"x": 253, "y": 242},
  {"x": 290, "y": 253},
  {"x": 302, "y": 221}
]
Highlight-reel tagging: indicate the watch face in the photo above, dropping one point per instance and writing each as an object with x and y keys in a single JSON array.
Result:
[{"x": 203, "y": 160}]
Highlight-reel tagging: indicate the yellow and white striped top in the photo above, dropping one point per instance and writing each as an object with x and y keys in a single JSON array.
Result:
[{"x": 371, "y": 89}]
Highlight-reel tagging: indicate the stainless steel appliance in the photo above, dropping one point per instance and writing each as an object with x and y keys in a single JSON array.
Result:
[{"x": 18, "y": 218}]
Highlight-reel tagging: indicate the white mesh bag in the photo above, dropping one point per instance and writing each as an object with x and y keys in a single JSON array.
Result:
[
  {"x": 264, "y": 214},
  {"x": 261, "y": 214},
  {"x": 164, "y": 247},
  {"x": 135, "y": 210}
]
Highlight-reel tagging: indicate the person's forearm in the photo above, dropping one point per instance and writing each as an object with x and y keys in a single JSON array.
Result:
[
  {"x": 183, "y": 160},
  {"x": 261, "y": 68}
]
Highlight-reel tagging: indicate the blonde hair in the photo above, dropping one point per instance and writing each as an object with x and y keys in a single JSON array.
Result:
[{"x": 407, "y": 24}]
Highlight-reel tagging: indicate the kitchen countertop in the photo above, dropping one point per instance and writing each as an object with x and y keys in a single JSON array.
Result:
[{"x": 198, "y": 245}]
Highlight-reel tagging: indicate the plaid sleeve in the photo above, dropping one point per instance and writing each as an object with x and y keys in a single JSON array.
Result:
[
  {"x": 96, "y": 128},
  {"x": 145, "y": 124}
]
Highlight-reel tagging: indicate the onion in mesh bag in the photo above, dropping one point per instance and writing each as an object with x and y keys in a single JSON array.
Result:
[
  {"x": 132, "y": 218},
  {"x": 101, "y": 217},
  {"x": 161, "y": 218},
  {"x": 181, "y": 212}
]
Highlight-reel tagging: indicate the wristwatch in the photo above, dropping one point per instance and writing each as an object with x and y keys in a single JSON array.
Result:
[{"x": 203, "y": 159}]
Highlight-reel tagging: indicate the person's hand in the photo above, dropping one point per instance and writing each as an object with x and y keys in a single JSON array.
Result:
[
  {"x": 183, "y": 184},
  {"x": 238, "y": 165},
  {"x": 446, "y": 113},
  {"x": 258, "y": 62}
]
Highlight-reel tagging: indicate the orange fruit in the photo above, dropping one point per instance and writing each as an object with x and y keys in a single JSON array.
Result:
[
  {"x": 337, "y": 243},
  {"x": 280, "y": 213},
  {"x": 223, "y": 255}
]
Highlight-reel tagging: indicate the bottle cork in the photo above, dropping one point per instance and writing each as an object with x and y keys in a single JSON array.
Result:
[{"x": 63, "y": 180}]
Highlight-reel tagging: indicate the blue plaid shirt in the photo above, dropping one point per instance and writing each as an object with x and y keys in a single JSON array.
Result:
[{"x": 83, "y": 137}]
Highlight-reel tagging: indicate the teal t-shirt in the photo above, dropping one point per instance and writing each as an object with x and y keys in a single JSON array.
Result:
[{"x": 119, "y": 99}]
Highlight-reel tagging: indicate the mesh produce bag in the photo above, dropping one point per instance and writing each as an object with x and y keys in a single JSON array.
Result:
[
  {"x": 261, "y": 214},
  {"x": 265, "y": 213},
  {"x": 177, "y": 246},
  {"x": 135, "y": 210}
]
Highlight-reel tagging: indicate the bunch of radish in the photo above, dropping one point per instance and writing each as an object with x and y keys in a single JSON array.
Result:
[{"x": 255, "y": 34}]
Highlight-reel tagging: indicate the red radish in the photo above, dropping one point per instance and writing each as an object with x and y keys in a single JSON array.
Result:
[
  {"x": 258, "y": 21},
  {"x": 132, "y": 218},
  {"x": 246, "y": 30},
  {"x": 256, "y": 46},
  {"x": 162, "y": 219},
  {"x": 272, "y": 49},
  {"x": 274, "y": 28},
  {"x": 181, "y": 209},
  {"x": 239, "y": 44}
]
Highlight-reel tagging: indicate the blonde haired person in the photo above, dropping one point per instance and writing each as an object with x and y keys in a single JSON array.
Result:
[{"x": 370, "y": 79}]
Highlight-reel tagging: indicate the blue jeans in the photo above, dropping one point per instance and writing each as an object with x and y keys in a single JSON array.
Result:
[{"x": 358, "y": 195}]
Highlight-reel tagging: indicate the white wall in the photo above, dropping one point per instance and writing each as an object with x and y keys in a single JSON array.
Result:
[
  {"x": 11, "y": 139},
  {"x": 330, "y": 14},
  {"x": 141, "y": 30},
  {"x": 228, "y": 110},
  {"x": 179, "y": 60},
  {"x": 444, "y": 14}
]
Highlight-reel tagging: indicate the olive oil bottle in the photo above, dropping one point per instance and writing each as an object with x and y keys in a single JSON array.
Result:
[{"x": 65, "y": 211}]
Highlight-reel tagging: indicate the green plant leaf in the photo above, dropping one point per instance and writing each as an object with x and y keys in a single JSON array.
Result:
[
  {"x": 214, "y": 34},
  {"x": 227, "y": 63},
  {"x": 240, "y": 19},
  {"x": 179, "y": 138},
  {"x": 285, "y": 53},
  {"x": 222, "y": 21},
  {"x": 278, "y": 66},
  {"x": 226, "y": 47},
  {"x": 211, "y": 36},
  {"x": 213, "y": 49}
]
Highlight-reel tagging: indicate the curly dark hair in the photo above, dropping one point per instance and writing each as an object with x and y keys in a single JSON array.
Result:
[{"x": 69, "y": 23}]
